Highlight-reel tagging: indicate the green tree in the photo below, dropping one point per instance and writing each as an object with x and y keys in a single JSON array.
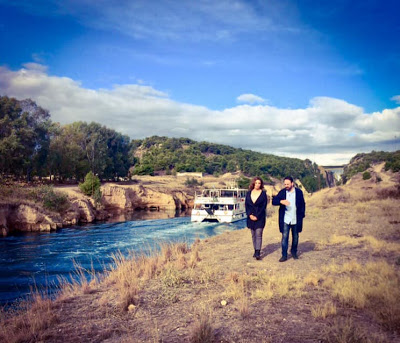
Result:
[
  {"x": 24, "y": 137},
  {"x": 91, "y": 185}
]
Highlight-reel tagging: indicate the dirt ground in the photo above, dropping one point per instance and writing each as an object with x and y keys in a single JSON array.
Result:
[{"x": 184, "y": 298}]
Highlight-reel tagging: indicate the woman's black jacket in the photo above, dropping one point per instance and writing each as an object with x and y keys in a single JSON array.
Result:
[{"x": 258, "y": 209}]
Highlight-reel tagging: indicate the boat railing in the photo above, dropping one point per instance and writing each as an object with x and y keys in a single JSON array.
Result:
[{"x": 221, "y": 193}]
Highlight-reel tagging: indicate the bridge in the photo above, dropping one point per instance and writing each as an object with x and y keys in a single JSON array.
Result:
[
  {"x": 333, "y": 174},
  {"x": 337, "y": 170}
]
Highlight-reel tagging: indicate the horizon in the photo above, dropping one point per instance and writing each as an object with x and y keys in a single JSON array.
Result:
[{"x": 293, "y": 80}]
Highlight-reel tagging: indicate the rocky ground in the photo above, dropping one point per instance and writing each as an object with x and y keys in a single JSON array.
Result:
[{"x": 345, "y": 286}]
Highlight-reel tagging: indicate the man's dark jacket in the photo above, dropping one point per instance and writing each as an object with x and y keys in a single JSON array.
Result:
[{"x": 300, "y": 208}]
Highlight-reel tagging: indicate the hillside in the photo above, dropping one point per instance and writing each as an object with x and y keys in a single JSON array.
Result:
[
  {"x": 32, "y": 147},
  {"x": 364, "y": 161},
  {"x": 163, "y": 155},
  {"x": 345, "y": 287}
]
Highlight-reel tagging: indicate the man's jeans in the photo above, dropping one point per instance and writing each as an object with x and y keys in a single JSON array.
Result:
[{"x": 285, "y": 239}]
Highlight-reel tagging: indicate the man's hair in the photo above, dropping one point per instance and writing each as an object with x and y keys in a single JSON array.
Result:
[
  {"x": 253, "y": 183},
  {"x": 288, "y": 178}
]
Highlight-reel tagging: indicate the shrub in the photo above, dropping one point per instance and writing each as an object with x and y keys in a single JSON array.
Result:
[
  {"x": 90, "y": 185},
  {"x": 243, "y": 182},
  {"x": 192, "y": 182},
  {"x": 51, "y": 200},
  {"x": 366, "y": 175},
  {"x": 97, "y": 196}
]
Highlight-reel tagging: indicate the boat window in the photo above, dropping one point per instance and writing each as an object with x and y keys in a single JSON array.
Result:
[
  {"x": 227, "y": 194},
  {"x": 230, "y": 207}
]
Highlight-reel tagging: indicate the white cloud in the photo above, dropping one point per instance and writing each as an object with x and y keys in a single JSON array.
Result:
[
  {"x": 250, "y": 98},
  {"x": 396, "y": 98},
  {"x": 328, "y": 130}
]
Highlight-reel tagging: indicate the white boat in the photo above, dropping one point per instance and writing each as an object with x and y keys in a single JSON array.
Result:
[{"x": 224, "y": 205}]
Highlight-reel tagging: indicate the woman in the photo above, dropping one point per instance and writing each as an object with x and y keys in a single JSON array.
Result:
[{"x": 256, "y": 209}]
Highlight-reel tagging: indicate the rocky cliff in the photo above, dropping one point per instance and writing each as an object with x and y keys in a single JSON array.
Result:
[
  {"x": 138, "y": 197},
  {"x": 27, "y": 217}
]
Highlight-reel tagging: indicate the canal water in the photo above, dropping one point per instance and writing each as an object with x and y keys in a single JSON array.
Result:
[{"x": 37, "y": 260}]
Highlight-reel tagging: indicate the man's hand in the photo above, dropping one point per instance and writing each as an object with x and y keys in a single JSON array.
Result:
[
  {"x": 253, "y": 217},
  {"x": 285, "y": 202}
]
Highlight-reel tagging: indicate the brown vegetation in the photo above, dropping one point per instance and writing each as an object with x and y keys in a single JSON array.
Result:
[{"x": 345, "y": 287}]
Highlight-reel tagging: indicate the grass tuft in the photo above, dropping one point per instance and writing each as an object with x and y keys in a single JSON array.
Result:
[
  {"x": 203, "y": 331},
  {"x": 324, "y": 310},
  {"x": 344, "y": 331}
]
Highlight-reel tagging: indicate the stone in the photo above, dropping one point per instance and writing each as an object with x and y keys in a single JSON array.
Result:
[{"x": 85, "y": 209}]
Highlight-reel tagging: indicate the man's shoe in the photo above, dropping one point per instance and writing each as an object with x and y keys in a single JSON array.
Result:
[
  {"x": 283, "y": 259},
  {"x": 258, "y": 255},
  {"x": 295, "y": 256}
]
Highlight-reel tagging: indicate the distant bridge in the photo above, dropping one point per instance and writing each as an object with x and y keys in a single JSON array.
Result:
[
  {"x": 337, "y": 173},
  {"x": 338, "y": 169},
  {"x": 334, "y": 167}
]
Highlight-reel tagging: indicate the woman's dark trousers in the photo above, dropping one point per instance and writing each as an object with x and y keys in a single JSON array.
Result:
[{"x": 256, "y": 235}]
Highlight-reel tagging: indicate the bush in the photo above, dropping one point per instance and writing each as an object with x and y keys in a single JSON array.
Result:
[
  {"x": 50, "y": 199},
  {"x": 243, "y": 182},
  {"x": 91, "y": 185},
  {"x": 366, "y": 175},
  {"x": 97, "y": 196},
  {"x": 143, "y": 170},
  {"x": 192, "y": 182}
]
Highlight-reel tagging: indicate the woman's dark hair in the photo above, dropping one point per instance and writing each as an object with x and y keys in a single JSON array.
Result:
[
  {"x": 253, "y": 182},
  {"x": 288, "y": 178}
]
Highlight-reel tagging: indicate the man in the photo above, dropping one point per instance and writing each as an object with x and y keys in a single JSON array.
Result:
[{"x": 291, "y": 213}]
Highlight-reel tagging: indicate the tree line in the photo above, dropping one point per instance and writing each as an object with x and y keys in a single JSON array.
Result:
[
  {"x": 32, "y": 145},
  {"x": 171, "y": 155}
]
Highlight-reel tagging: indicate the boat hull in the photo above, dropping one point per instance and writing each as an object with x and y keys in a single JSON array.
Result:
[{"x": 220, "y": 218}]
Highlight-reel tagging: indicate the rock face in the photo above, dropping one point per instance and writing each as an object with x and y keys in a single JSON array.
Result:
[
  {"x": 330, "y": 178},
  {"x": 24, "y": 217},
  {"x": 137, "y": 197},
  {"x": 27, "y": 217},
  {"x": 85, "y": 210}
]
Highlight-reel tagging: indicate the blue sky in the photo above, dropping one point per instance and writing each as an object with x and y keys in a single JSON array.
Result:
[{"x": 309, "y": 79}]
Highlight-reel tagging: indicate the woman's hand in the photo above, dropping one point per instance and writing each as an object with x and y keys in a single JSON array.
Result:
[{"x": 253, "y": 217}]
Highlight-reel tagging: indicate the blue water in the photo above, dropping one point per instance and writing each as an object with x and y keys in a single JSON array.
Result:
[{"x": 38, "y": 260}]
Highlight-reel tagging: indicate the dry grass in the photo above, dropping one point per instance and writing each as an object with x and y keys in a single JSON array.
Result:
[
  {"x": 203, "y": 331},
  {"x": 236, "y": 286},
  {"x": 279, "y": 286},
  {"x": 313, "y": 278},
  {"x": 37, "y": 315},
  {"x": 324, "y": 310},
  {"x": 345, "y": 331},
  {"x": 369, "y": 242},
  {"x": 374, "y": 286}
]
